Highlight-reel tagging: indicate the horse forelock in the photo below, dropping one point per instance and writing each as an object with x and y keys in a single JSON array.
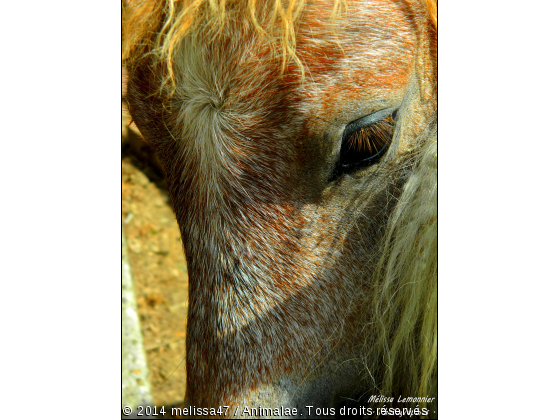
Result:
[{"x": 157, "y": 27}]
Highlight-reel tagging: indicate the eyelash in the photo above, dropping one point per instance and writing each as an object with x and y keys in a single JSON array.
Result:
[
  {"x": 366, "y": 145},
  {"x": 366, "y": 140}
]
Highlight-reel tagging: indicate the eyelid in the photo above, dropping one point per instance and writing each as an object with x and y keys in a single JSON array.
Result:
[{"x": 367, "y": 121}]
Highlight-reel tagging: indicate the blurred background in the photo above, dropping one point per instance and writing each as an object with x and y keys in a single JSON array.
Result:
[{"x": 157, "y": 266}]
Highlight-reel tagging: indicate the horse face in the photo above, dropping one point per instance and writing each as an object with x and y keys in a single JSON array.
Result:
[{"x": 282, "y": 187}]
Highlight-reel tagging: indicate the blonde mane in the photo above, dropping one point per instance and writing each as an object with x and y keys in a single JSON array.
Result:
[
  {"x": 157, "y": 27},
  {"x": 401, "y": 349},
  {"x": 144, "y": 32}
]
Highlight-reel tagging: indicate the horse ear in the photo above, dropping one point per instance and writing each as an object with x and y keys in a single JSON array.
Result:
[
  {"x": 426, "y": 59},
  {"x": 125, "y": 117},
  {"x": 130, "y": 132},
  {"x": 432, "y": 10},
  {"x": 124, "y": 81}
]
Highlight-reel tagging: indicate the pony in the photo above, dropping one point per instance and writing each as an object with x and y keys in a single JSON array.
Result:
[{"x": 299, "y": 143}]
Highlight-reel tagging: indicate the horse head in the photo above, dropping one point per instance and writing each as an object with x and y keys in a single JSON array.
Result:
[{"x": 298, "y": 140}]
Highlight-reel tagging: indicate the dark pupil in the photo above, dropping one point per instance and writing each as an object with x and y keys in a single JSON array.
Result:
[
  {"x": 366, "y": 140},
  {"x": 368, "y": 143}
]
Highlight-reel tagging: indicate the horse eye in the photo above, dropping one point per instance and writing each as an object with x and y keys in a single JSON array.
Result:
[{"x": 365, "y": 141}]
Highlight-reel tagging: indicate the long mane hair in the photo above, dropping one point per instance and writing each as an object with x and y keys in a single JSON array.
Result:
[
  {"x": 400, "y": 351},
  {"x": 157, "y": 27}
]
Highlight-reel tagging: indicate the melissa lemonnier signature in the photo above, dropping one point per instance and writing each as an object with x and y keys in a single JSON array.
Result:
[
  {"x": 400, "y": 411},
  {"x": 400, "y": 399}
]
